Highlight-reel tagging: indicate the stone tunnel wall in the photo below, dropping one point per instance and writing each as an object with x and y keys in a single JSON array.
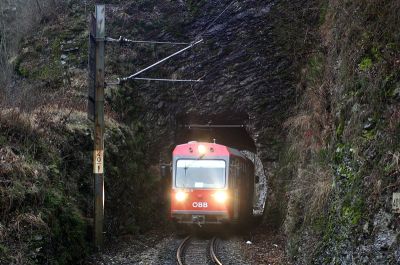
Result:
[{"x": 248, "y": 72}]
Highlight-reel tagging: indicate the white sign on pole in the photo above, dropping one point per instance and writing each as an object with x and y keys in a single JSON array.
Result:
[{"x": 98, "y": 164}]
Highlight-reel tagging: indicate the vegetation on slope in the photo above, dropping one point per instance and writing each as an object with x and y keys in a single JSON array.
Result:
[
  {"x": 42, "y": 189},
  {"x": 344, "y": 140},
  {"x": 45, "y": 149}
]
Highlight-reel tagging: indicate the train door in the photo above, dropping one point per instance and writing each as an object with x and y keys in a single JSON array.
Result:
[
  {"x": 243, "y": 189},
  {"x": 235, "y": 188}
]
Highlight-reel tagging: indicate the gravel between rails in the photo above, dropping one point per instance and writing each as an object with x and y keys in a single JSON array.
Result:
[
  {"x": 196, "y": 252},
  {"x": 159, "y": 248}
]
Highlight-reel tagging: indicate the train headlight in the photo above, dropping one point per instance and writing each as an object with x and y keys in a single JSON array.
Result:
[
  {"x": 180, "y": 196},
  {"x": 220, "y": 196},
  {"x": 202, "y": 149}
]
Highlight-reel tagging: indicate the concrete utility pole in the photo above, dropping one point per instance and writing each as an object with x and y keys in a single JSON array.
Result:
[{"x": 96, "y": 113}]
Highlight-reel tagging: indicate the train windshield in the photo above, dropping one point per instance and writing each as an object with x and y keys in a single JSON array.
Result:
[{"x": 200, "y": 174}]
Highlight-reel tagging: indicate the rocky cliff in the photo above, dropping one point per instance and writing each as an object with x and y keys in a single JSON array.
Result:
[{"x": 343, "y": 140}]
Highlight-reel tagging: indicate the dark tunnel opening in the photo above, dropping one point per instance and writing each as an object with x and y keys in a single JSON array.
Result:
[{"x": 228, "y": 129}]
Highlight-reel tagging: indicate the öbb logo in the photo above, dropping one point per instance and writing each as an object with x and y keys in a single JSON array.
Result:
[{"x": 200, "y": 204}]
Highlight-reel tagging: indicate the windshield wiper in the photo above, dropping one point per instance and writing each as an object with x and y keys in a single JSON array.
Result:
[{"x": 184, "y": 182}]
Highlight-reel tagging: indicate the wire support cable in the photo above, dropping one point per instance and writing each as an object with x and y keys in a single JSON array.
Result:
[
  {"x": 192, "y": 126},
  {"x": 134, "y": 76},
  {"x": 122, "y": 40},
  {"x": 165, "y": 80}
]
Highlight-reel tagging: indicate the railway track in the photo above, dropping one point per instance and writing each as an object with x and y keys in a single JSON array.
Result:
[{"x": 197, "y": 251}]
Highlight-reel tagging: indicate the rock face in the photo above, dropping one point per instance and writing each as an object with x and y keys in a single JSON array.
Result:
[
  {"x": 248, "y": 77},
  {"x": 345, "y": 134},
  {"x": 243, "y": 70}
]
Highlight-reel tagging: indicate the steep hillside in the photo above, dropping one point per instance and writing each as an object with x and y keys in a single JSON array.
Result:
[
  {"x": 343, "y": 146},
  {"x": 45, "y": 147}
]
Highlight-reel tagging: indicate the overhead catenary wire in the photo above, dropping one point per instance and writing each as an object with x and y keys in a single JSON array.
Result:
[
  {"x": 212, "y": 22},
  {"x": 209, "y": 26},
  {"x": 215, "y": 19},
  {"x": 216, "y": 65},
  {"x": 122, "y": 39},
  {"x": 195, "y": 96},
  {"x": 198, "y": 39}
]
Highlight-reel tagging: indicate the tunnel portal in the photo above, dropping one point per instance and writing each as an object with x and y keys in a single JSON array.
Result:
[{"x": 227, "y": 129}]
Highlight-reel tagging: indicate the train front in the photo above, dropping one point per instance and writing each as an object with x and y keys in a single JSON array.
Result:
[{"x": 200, "y": 184}]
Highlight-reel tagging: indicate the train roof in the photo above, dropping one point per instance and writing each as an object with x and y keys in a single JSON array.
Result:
[{"x": 212, "y": 149}]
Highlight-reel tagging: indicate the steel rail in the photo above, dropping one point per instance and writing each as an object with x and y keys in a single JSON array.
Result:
[
  {"x": 183, "y": 246},
  {"x": 212, "y": 252},
  {"x": 180, "y": 250}
]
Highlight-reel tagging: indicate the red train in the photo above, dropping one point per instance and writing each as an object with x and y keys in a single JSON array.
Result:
[{"x": 211, "y": 184}]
